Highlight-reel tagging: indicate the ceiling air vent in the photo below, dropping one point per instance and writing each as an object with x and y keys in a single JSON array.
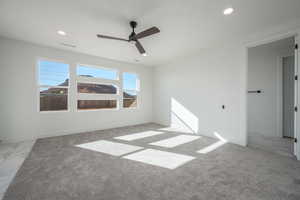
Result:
[{"x": 68, "y": 45}]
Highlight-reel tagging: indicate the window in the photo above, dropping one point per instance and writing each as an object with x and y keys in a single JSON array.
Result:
[
  {"x": 86, "y": 71},
  {"x": 92, "y": 88},
  {"x": 129, "y": 99},
  {"x": 99, "y": 86},
  {"x": 130, "y": 90},
  {"x": 96, "y": 104},
  {"x": 53, "y": 85}
]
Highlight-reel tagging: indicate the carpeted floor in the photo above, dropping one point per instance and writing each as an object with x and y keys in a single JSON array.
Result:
[
  {"x": 58, "y": 169},
  {"x": 12, "y": 155},
  {"x": 278, "y": 145}
]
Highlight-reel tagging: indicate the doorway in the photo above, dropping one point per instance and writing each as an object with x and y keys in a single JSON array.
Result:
[{"x": 271, "y": 97}]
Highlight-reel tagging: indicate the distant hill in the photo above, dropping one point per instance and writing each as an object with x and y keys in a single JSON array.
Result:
[{"x": 87, "y": 88}]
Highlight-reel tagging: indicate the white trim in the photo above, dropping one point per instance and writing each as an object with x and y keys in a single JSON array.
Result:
[
  {"x": 131, "y": 90},
  {"x": 297, "y": 94},
  {"x": 246, "y": 50},
  {"x": 85, "y": 96},
  {"x": 279, "y": 95},
  {"x": 66, "y": 132},
  {"x": 271, "y": 39},
  {"x": 130, "y": 108},
  {"x": 99, "y": 109},
  {"x": 54, "y": 111}
]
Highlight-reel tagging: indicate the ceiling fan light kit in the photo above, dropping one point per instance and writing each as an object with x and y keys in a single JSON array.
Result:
[{"x": 133, "y": 37}]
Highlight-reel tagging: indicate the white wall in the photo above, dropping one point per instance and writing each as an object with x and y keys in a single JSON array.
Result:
[
  {"x": 191, "y": 93},
  {"x": 19, "y": 116},
  {"x": 265, "y": 73}
]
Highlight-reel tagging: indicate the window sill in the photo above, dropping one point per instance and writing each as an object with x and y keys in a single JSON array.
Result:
[
  {"x": 93, "y": 110},
  {"x": 135, "y": 108}
]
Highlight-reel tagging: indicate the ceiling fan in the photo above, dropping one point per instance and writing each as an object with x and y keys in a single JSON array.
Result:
[{"x": 133, "y": 37}]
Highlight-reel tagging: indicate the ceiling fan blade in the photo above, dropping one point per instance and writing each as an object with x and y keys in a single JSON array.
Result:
[
  {"x": 147, "y": 32},
  {"x": 109, "y": 37},
  {"x": 140, "y": 47}
]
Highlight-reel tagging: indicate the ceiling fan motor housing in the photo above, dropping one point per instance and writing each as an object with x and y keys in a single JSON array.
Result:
[{"x": 133, "y": 25}]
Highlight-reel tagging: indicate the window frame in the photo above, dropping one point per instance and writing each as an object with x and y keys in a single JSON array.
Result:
[
  {"x": 98, "y": 80},
  {"x": 72, "y": 88},
  {"x": 138, "y": 85},
  {"x": 37, "y": 69}
]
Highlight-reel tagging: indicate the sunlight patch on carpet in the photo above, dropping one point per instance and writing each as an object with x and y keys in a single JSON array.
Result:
[
  {"x": 108, "y": 147},
  {"x": 140, "y": 135},
  {"x": 175, "y": 141},
  {"x": 160, "y": 158}
]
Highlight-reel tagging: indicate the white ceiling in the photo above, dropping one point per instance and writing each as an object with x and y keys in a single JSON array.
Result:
[{"x": 186, "y": 25}]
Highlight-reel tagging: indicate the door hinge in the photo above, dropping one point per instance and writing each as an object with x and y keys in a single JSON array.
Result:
[
  {"x": 296, "y": 77},
  {"x": 296, "y": 140},
  {"x": 296, "y": 46},
  {"x": 296, "y": 109}
]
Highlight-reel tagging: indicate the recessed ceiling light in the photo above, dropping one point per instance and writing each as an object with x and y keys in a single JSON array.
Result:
[
  {"x": 144, "y": 54},
  {"x": 61, "y": 33},
  {"x": 228, "y": 11}
]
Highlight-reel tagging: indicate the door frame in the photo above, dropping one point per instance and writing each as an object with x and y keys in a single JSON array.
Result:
[
  {"x": 296, "y": 104},
  {"x": 288, "y": 34}
]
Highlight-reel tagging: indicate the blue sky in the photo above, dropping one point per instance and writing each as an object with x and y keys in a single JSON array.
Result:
[
  {"x": 96, "y": 72},
  {"x": 129, "y": 81},
  {"x": 53, "y": 73}
]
